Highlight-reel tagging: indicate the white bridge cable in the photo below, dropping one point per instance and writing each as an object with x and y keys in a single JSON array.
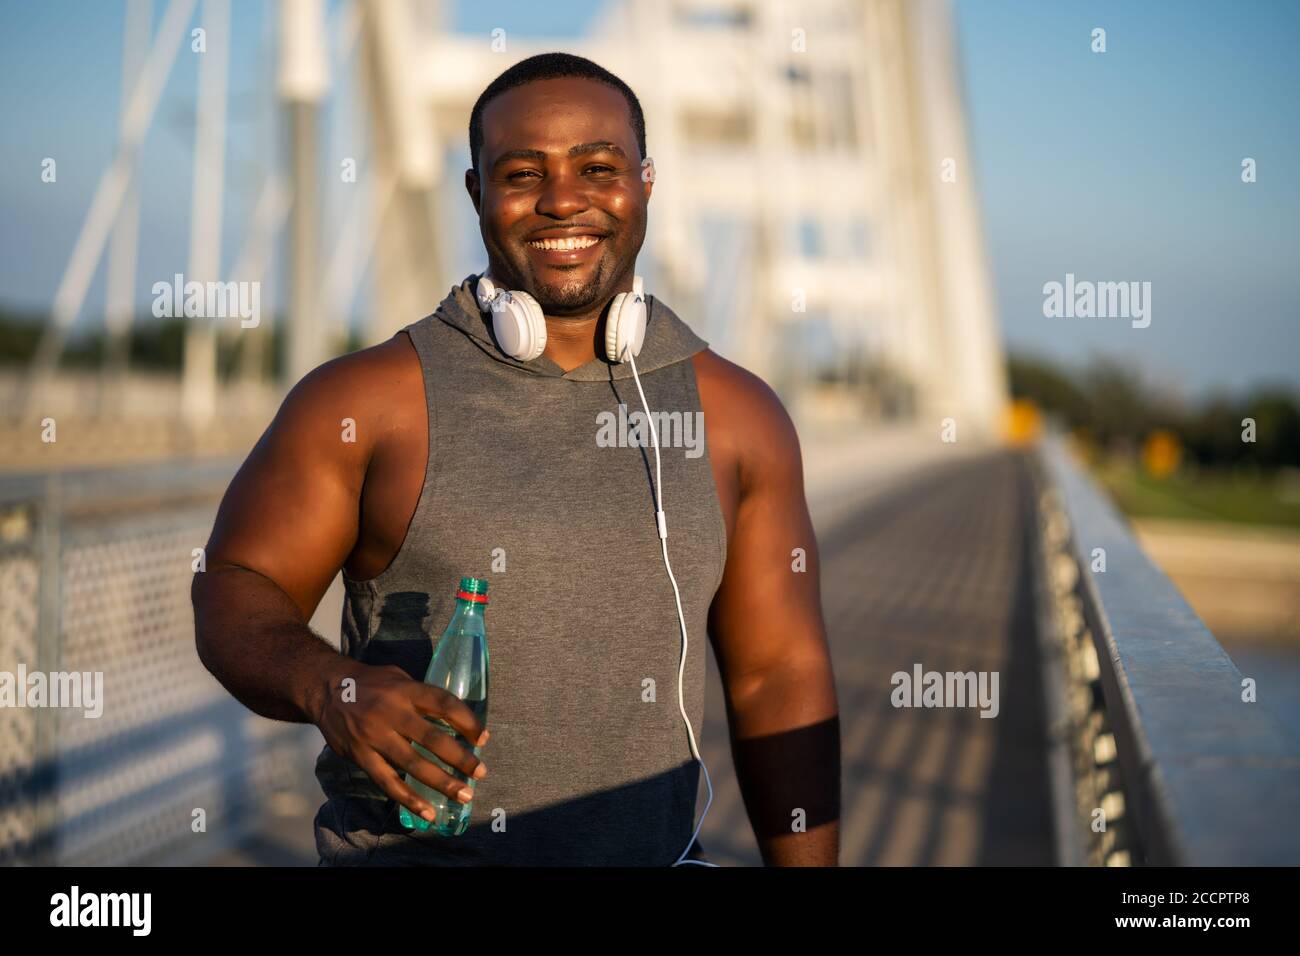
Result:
[{"x": 109, "y": 194}]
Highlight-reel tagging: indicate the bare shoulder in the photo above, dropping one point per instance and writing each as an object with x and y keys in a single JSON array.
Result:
[
  {"x": 363, "y": 375},
  {"x": 746, "y": 418},
  {"x": 374, "y": 390}
]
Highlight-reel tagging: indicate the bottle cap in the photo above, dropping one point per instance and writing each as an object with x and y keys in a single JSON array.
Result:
[{"x": 473, "y": 589}]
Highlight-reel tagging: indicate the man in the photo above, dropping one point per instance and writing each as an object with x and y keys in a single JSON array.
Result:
[{"x": 436, "y": 455}]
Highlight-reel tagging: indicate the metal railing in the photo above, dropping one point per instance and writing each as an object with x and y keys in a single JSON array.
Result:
[
  {"x": 95, "y": 574},
  {"x": 1173, "y": 763}
]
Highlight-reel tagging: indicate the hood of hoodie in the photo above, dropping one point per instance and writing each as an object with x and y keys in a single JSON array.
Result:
[{"x": 667, "y": 339}]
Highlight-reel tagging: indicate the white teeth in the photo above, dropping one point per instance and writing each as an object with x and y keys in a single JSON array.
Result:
[{"x": 573, "y": 242}]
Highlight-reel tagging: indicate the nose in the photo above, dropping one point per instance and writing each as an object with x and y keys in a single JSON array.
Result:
[{"x": 562, "y": 195}]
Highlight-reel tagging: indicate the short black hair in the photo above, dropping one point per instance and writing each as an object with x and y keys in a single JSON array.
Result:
[{"x": 550, "y": 66}]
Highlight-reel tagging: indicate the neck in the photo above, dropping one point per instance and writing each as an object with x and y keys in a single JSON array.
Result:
[{"x": 572, "y": 341}]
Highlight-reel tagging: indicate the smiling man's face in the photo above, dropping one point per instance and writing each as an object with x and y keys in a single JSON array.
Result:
[{"x": 561, "y": 200}]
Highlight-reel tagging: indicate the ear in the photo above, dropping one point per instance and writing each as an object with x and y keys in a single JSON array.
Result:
[
  {"x": 472, "y": 187},
  {"x": 648, "y": 175}
]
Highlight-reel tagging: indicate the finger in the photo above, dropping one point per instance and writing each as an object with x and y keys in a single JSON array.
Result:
[
  {"x": 391, "y": 783},
  {"x": 442, "y": 703},
  {"x": 405, "y": 758},
  {"x": 449, "y": 748}
]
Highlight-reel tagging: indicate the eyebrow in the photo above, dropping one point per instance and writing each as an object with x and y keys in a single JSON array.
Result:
[{"x": 582, "y": 149}]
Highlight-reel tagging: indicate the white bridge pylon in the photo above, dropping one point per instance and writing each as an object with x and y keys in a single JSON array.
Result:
[{"x": 813, "y": 183}]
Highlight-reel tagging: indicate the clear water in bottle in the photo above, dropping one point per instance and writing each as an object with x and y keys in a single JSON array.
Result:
[{"x": 459, "y": 665}]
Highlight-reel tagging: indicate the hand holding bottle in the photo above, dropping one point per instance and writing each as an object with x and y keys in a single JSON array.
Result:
[{"x": 375, "y": 729}]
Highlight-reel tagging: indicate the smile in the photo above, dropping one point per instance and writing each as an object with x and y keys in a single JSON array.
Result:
[{"x": 568, "y": 244}]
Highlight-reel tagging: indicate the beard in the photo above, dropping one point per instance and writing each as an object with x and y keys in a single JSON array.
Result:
[{"x": 572, "y": 292}]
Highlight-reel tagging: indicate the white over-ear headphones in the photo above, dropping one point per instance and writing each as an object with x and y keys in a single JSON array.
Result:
[{"x": 520, "y": 327}]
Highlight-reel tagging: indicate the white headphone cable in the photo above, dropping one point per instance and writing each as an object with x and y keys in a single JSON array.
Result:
[{"x": 662, "y": 522}]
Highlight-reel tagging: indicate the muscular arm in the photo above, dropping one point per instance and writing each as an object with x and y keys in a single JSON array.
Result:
[
  {"x": 285, "y": 526},
  {"x": 768, "y": 634},
  {"x": 291, "y": 518}
]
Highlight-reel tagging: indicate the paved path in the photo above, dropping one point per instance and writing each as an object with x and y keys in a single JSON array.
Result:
[{"x": 932, "y": 572}]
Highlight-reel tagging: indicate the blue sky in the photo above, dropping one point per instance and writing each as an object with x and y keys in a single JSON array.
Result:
[
  {"x": 1116, "y": 166},
  {"x": 1127, "y": 165}
]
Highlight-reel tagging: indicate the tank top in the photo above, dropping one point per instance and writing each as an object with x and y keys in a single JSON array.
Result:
[{"x": 539, "y": 482}]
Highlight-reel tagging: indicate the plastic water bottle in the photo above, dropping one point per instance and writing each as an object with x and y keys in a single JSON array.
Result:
[{"x": 459, "y": 665}]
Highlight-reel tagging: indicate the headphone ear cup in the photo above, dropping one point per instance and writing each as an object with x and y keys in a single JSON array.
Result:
[
  {"x": 485, "y": 292},
  {"x": 625, "y": 325},
  {"x": 611, "y": 328},
  {"x": 519, "y": 325}
]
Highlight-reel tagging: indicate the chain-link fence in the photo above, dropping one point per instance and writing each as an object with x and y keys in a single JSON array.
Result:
[{"x": 95, "y": 574}]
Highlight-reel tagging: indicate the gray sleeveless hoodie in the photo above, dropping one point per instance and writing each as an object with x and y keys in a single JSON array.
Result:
[{"x": 537, "y": 481}]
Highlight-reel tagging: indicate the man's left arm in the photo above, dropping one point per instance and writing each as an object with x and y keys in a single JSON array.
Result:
[{"x": 769, "y": 638}]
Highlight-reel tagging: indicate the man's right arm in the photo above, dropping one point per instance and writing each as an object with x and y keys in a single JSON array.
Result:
[{"x": 285, "y": 526}]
